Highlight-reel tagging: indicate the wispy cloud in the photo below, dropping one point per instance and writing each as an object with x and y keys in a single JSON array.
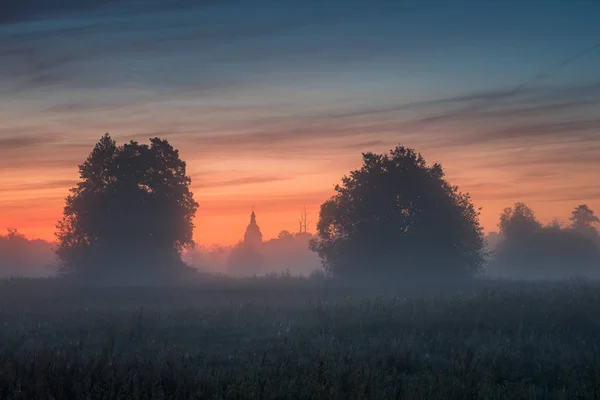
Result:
[
  {"x": 272, "y": 202},
  {"x": 207, "y": 182},
  {"x": 38, "y": 186},
  {"x": 16, "y": 143},
  {"x": 547, "y": 195},
  {"x": 91, "y": 46}
]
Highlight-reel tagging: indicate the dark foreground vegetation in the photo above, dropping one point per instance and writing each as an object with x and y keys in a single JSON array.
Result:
[{"x": 299, "y": 339}]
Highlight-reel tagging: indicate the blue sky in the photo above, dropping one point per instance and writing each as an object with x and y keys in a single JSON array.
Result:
[{"x": 293, "y": 91}]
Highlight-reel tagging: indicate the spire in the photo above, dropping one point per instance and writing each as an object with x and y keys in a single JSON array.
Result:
[{"x": 253, "y": 236}]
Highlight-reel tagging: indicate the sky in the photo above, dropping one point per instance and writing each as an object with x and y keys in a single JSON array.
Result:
[{"x": 272, "y": 102}]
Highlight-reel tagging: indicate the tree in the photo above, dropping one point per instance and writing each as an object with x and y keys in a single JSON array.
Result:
[
  {"x": 582, "y": 221},
  {"x": 531, "y": 250},
  {"x": 132, "y": 212},
  {"x": 285, "y": 236},
  {"x": 518, "y": 221},
  {"x": 20, "y": 256},
  {"x": 396, "y": 214},
  {"x": 554, "y": 224},
  {"x": 303, "y": 222}
]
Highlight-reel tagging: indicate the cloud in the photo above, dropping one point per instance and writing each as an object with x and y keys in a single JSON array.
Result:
[
  {"x": 42, "y": 185},
  {"x": 550, "y": 128},
  {"x": 428, "y": 104},
  {"x": 532, "y": 189},
  {"x": 13, "y": 143},
  {"x": 33, "y": 149},
  {"x": 492, "y": 105},
  {"x": 133, "y": 47},
  {"x": 28, "y": 10},
  {"x": 230, "y": 205},
  {"x": 361, "y": 146},
  {"x": 31, "y": 205},
  {"x": 542, "y": 115},
  {"x": 527, "y": 176},
  {"x": 546, "y": 114},
  {"x": 137, "y": 43},
  {"x": 556, "y": 159},
  {"x": 205, "y": 182},
  {"x": 17, "y": 143}
]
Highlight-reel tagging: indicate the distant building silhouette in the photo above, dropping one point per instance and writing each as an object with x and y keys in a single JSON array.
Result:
[
  {"x": 253, "y": 236},
  {"x": 246, "y": 258}
]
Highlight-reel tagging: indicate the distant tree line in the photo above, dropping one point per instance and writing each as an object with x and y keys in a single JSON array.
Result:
[
  {"x": 396, "y": 217},
  {"x": 527, "y": 249},
  {"x": 287, "y": 253},
  {"x": 20, "y": 256}
]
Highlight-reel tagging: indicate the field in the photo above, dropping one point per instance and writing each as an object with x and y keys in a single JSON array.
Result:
[{"x": 299, "y": 339}]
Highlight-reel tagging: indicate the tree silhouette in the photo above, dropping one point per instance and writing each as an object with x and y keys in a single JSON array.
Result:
[
  {"x": 531, "y": 250},
  {"x": 582, "y": 221},
  {"x": 285, "y": 236},
  {"x": 130, "y": 213},
  {"x": 303, "y": 222},
  {"x": 398, "y": 215},
  {"x": 20, "y": 256},
  {"x": 518, "y": 221},
  {"x": 290, "y": 252}
]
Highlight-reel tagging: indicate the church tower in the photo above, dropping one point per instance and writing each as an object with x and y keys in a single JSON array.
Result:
[{"x": 253, "y": 236}]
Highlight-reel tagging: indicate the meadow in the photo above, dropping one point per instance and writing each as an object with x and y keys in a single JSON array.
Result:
[{"x": 289, "y": 338}]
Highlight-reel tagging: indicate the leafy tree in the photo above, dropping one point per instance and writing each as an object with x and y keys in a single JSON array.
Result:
[
  {"x": 535, "y": 251},
  {"x": 131, "y": 212},
  {"x": 20, "y": 256},
  {"x": 285, "y": 235},
  {"x": 396, "y": 214},
  {"x": 518, "y": 221},
  {"x": 583, "y": 220},
  {"x": 554, "y": 224}
]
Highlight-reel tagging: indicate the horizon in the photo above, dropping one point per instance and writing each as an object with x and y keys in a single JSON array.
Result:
[{"x": 271, "y": 111}]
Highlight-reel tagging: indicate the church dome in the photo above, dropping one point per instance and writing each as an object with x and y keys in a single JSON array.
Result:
[{"x": 253, "y": 236}]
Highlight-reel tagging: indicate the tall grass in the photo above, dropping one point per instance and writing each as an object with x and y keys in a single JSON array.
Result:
[{"x": 283, "y": 338}]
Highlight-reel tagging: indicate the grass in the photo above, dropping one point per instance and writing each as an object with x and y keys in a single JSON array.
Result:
[{"x": 299, "y": 339}]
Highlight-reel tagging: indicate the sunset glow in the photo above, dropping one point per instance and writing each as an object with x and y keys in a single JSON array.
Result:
[{"x": 271, "y": 112}]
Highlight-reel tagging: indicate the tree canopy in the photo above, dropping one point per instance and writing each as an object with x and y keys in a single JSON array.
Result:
[
  {"x": 131, "y": 211},
  {"x": 531, "y": 250},
  {"x": 518, "y": 221},
  {"x": 583, "y": 220},
  {"x": 396, "y": 214}
]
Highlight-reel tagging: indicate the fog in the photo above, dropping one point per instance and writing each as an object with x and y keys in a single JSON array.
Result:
[
  {"x": 287, "y": 254},
  {"x": 20, "y": 256}
]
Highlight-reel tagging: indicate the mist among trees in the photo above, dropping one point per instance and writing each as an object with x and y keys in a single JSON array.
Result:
[
  {"x": 20, "y": 256},
  {"x": 396, "y": 218},
  {"x": 528, "y": 249}
]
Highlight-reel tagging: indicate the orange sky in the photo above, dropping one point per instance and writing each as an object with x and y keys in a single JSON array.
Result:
[
  {"x": 271, "y": 103},
  {"x": 31, "y": 199}
]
